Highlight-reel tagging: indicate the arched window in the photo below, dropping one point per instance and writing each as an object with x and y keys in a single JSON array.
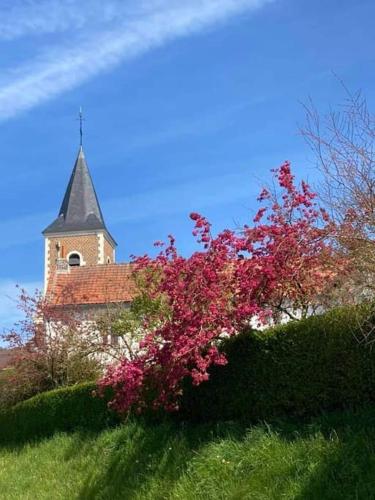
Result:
[{"x": 74, "y": 259}]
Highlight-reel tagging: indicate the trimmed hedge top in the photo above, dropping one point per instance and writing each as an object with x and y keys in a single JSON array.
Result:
[
  {"x": 297, "y": 369},
  {"x": 65, "y": 409}
]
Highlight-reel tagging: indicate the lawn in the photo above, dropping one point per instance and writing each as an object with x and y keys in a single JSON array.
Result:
[{"x": 332, "y": 457}]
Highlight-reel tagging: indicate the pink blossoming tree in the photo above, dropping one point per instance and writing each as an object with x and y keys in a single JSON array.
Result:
[{"x": 281, "y": 263}]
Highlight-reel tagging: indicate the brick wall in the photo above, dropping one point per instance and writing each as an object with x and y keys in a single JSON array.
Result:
[
  {"x": 90, "y": 246},
  {"x": 108, "y": 252},
  {"x": 87, "y": 246}
]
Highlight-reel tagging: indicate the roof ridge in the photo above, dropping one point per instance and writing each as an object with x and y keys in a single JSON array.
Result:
[{"x": 102, "y": 266}]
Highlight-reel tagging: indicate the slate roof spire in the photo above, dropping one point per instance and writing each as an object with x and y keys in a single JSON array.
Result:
[{"x": 80, "y": 209}]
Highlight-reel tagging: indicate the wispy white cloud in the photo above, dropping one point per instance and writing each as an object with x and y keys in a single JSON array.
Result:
[
  {"x": 38, "y": 17},
  {"x": 134, "y": 28}
]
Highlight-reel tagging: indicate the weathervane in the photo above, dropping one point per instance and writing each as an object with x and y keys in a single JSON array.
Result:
[{"x": 81, "y": 119}]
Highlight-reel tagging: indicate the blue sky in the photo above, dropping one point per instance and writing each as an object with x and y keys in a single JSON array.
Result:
[{"x": 188, "y": 104}]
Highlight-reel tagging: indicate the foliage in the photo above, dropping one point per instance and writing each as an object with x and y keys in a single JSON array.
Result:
[
  {"x": 51, "y": 347},
  {"x": 300, "y": 368},
  {"x": 265, "y": 378},
  {"x": 5, "y": 381},
  {"x": 126, "y": 324},
  {"x": 5, "y": 356},
  {"x": 282, "y": 263},
  {"x": 329, "y": 458},
  {"x": 66, "y": 409},
  {"x": 343, "y": 142}
]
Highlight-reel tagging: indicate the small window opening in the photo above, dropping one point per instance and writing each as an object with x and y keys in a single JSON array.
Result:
[
  {"x": 108, "y": 260},
  {"x": 74, "y": 260}
]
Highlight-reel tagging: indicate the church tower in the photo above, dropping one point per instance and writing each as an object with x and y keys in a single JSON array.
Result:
[{"x": 78, "y": 237}]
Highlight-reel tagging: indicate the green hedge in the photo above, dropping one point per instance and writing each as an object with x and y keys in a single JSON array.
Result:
[
  {"x": 65, "y": 409},
  {"x": 297, "y": 369}
]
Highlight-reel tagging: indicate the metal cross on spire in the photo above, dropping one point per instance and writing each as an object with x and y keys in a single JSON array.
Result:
[{"x": 81, "y": 119}]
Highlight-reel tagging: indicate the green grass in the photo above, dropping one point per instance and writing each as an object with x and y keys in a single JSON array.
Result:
[{"x": 331, "y": 457}]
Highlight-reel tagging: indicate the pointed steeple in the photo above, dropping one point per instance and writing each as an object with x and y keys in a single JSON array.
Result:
[{"x": 80, "y": 209}]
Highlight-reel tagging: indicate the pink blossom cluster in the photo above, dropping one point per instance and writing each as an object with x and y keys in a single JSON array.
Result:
[{"x": 238, "y": 275}]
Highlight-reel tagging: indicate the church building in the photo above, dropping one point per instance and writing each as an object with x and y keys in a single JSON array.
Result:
[{"x": 80, "y": 253}]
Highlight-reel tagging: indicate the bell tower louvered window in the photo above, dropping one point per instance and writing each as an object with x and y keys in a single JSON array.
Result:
[{"x": 74, "y": 260}]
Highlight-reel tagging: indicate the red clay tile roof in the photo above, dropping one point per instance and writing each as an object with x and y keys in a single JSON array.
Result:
[{"x": 101, "y": 284}]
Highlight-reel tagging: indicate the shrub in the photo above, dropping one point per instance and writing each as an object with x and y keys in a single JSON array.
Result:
[
  {"x": 297, "y": 369},
  {"x": 50, "y": 347},
  {"x": 281, "y": 264},
  {"x": 29, "y": 377},
  {"x": 65, "y": 409}
]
